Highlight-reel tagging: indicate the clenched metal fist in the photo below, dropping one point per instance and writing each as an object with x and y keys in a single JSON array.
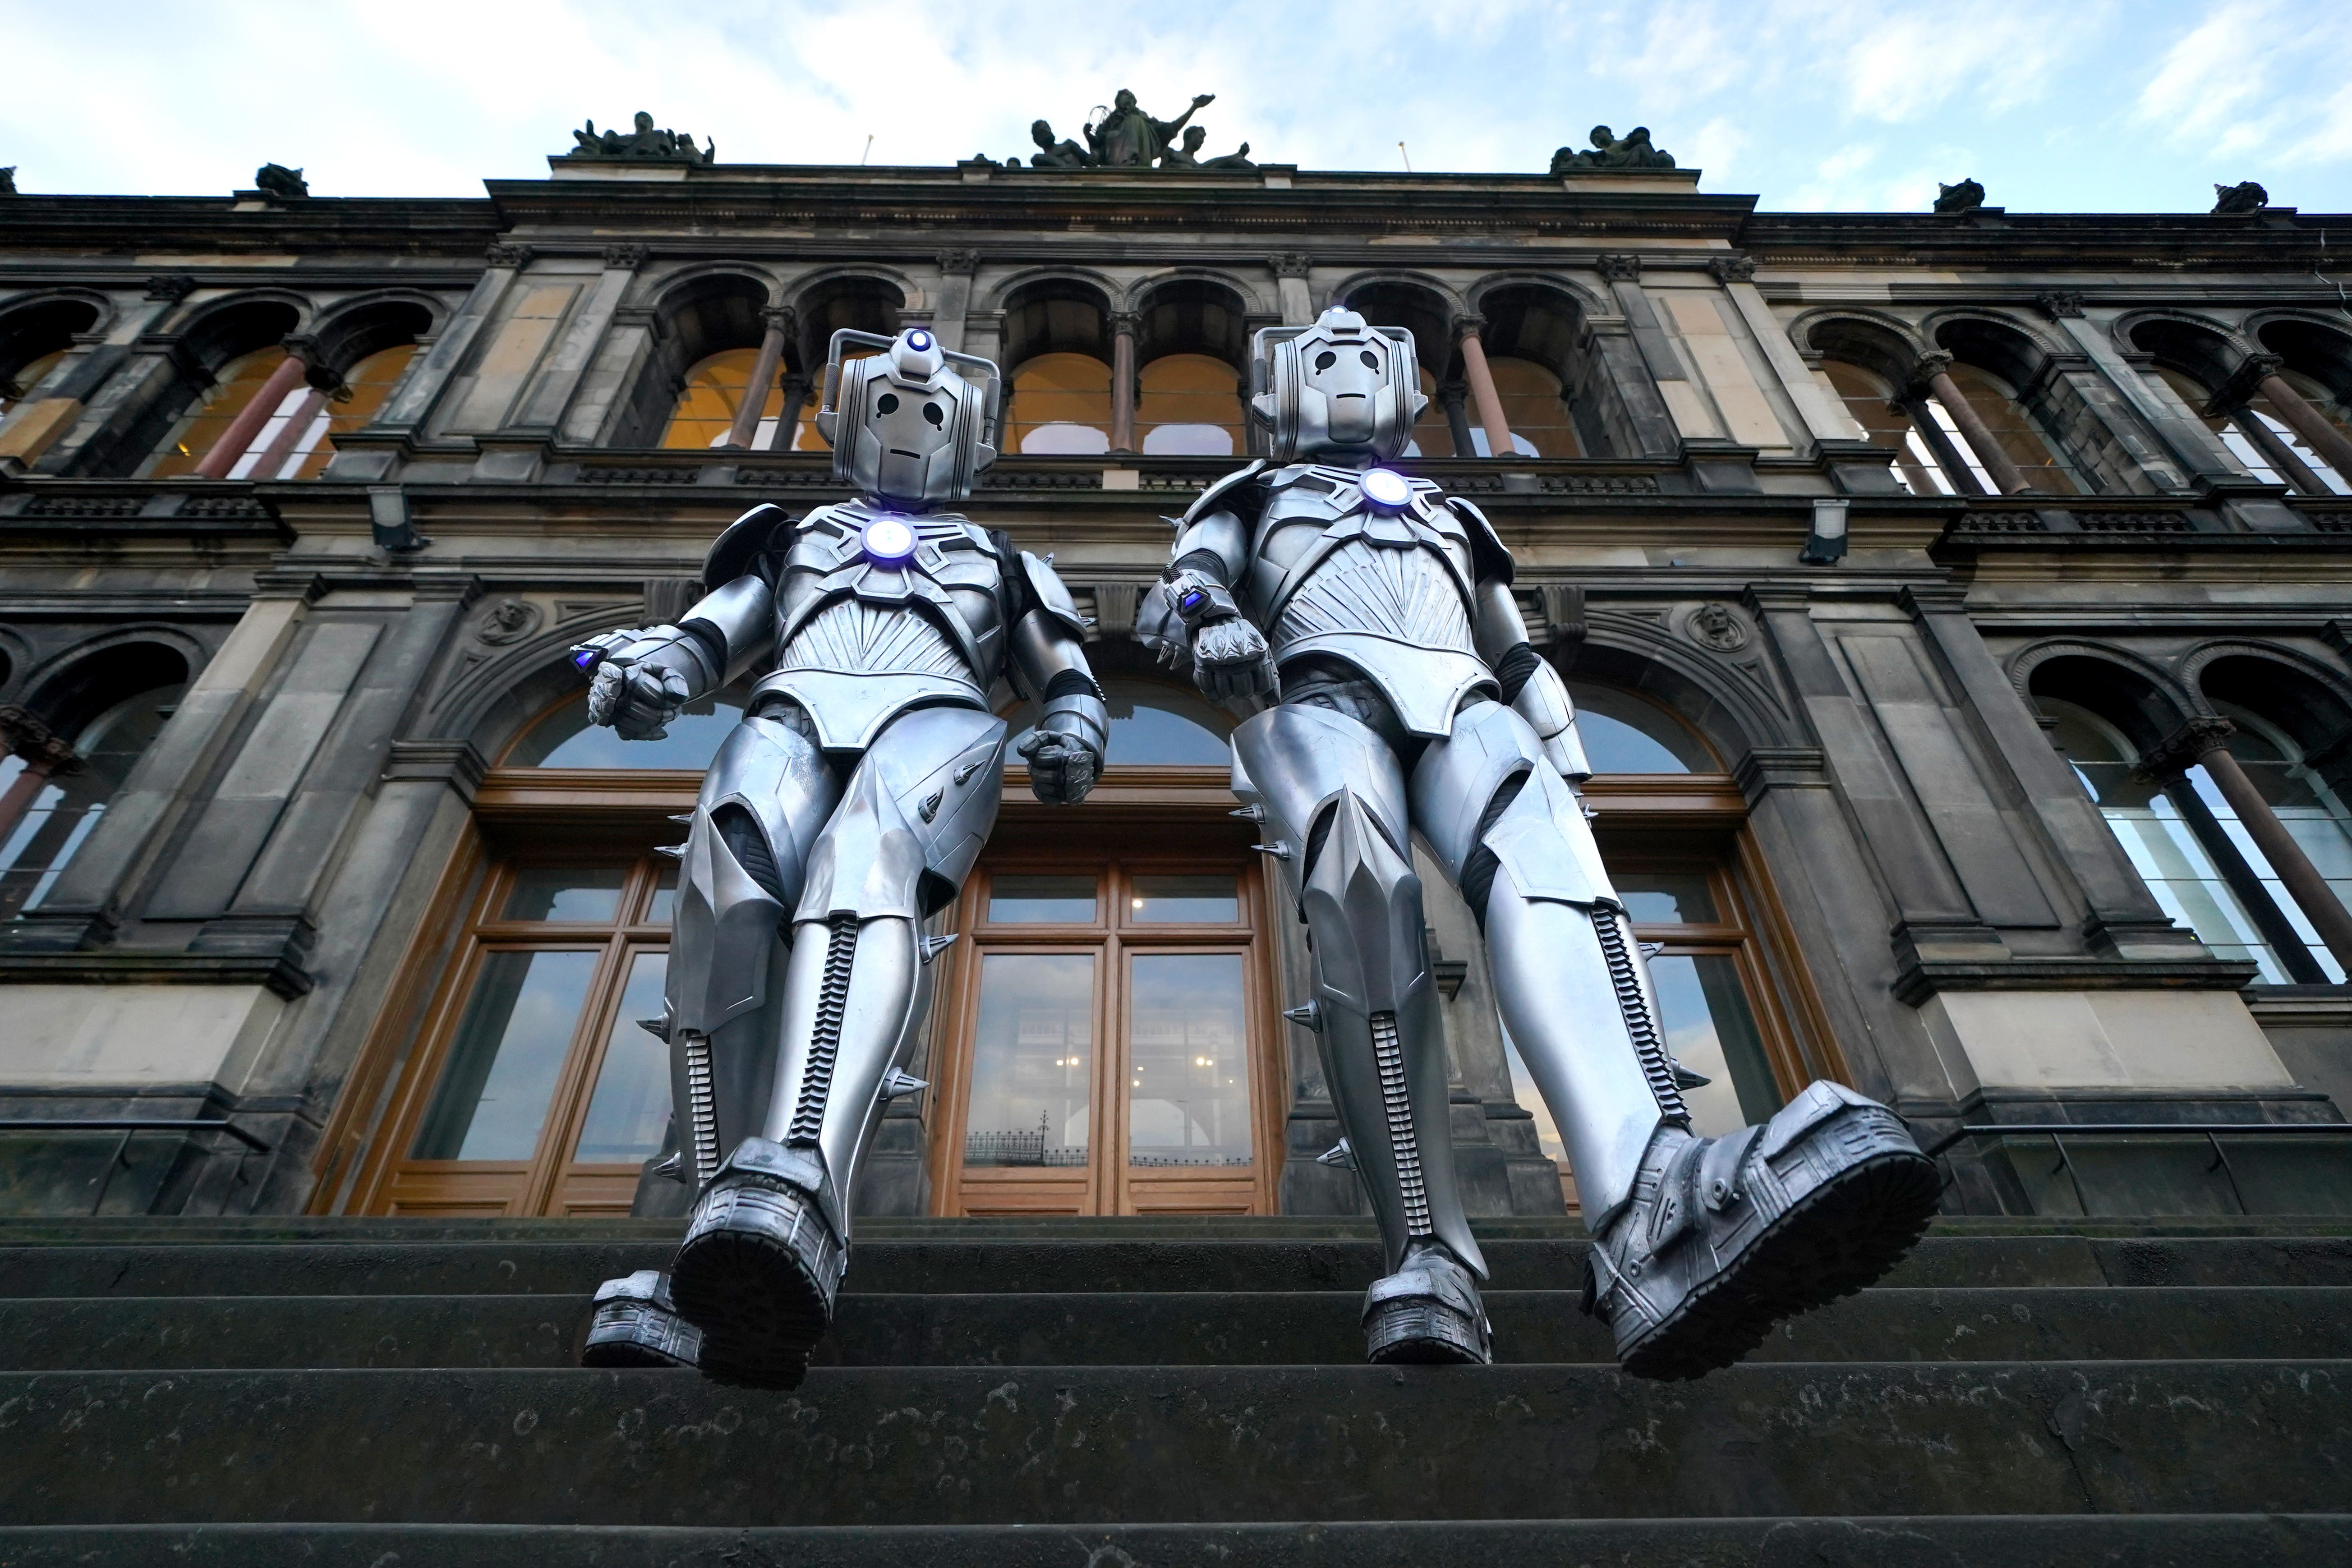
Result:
[
  {"x": 1231, "y": 661},
  {"x": 638, "y": 700},
  {"x": 1062, "y": 767}
]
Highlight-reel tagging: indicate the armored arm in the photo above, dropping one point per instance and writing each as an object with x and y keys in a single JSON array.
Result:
[
  {"x": 1531, "y": 685},
  {"x": 1192, "y": 610},
  {"x": 639, "y": 679},
  {"x": 1048, "y": 661}
]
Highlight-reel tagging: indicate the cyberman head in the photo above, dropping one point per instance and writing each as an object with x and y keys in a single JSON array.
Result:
[
  {"x": 905, "y": 423},
  {"x": 1339, "y": 388}
]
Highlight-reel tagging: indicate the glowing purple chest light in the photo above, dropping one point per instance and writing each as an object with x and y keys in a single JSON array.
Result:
[
  {"x": 888, "y": 542},
  {"x": 1387, "y": 489}
]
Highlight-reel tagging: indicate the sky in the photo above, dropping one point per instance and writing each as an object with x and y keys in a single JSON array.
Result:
[{"x": 1811, "y": 105}]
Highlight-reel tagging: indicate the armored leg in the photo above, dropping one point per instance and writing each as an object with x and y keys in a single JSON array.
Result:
[
  {"x": 1701, "y": 1244},
  {"x": 1332, "y": 800},
  {"x": 769, "y": 791},
  {"x": 769, "y": 1238}
]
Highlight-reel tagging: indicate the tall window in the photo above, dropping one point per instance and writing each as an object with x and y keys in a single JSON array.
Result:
[
  {"x": 53, "y": 816},
  {"x": 2270, "y": 448},
  {"x": 2019, "y": 439},
  {"x": 16, "y": 387},
  {"x": 1885, "y": 421},
  {"x": 1061, "y": 405},
  {"x": 2196, "y": 858},
  {"x": 1191, "y": 406},
  {"x": 207, "y": 419},
  {"x": 293, "y": 442},
  {"x": 713, "y": 394},
  {"x": 1535, "y": 408}
]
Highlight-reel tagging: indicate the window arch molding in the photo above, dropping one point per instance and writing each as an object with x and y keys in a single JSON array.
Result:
[
  {"x": 211, "y": 337},
  {"x": 1427, "y": 309},
  {"x": 2027, "y": 417},
  {"x": 2201, "y": 347},
  {"x": 34, "y": 325},
  {"x": 1246, "y": 300},
  {"x": 73, "y": 685},
  {"x": 2302, "y": 697},
  {"x": 1053, "y": 310},
  {"x": 1728, "y": 706},
  {"x": 351, "y": 329},
  {"x": 495, "y": 701},
  {"x": 1578, "y": 300},
  {"x": 1053, "y": 403},
  {"x": 2318, "y": 346},
  {"x": 1885, "y": 345},
  {"x": 2094, "y": 675},
  {"x": 1192, "y": 365},
  {"x": 714, "y": 309},
  {"x": 1543, "y": 324}
]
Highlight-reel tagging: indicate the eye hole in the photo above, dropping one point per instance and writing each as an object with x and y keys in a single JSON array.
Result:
[
  {"x": 932, "y": 411},
  {"x": 1371, "y": 360},
  {"x": 1325, "y": 360},
  {"x": 889, "y": 402}
]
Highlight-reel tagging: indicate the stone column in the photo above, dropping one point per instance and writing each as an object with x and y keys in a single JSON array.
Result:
[
  {"x": 2310, "y": 424},
  {"x": 956, "y": 268},
  {"x": 2284, "y": 457},
  {"x": 249, "y": 419},
  {"x": 1290, "y": 287},
  {"x": 788, "y": 419},
  {"x": 764, "y": 376},
  {"x": 1123, "y": 324},
  {"x": 1482, "y": 384},
  {"x": 1451, "y": 397},
  {"x": 1934, "y": 372},
  {"x": 2206, "y": 742},
  {"x": 47, "y": 756}
]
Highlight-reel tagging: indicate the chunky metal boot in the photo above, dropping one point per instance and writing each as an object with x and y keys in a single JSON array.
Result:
[
  {"x": 1427, "y": 1311},
  {"x": 636, "y": 1324},
  {"x": 1725, "y": 1236},
  {"x": 761, "y": 1263}
]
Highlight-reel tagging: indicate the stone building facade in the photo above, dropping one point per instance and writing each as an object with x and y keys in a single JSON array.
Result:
[{"x": 1960, "y": 603}]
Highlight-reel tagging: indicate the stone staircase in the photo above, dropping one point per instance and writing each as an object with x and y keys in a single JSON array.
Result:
[{"x": 1128, "y": 1393}]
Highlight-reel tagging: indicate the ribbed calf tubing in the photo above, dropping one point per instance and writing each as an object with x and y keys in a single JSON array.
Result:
[
  {"x": 1607, "y": 925},
  {"x": 1387, "y": 1055},
  {"x": 832, "y": 1004}
]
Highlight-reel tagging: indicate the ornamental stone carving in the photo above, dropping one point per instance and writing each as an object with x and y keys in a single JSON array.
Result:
[
  {"x": 279, "y": 181},
  {"x": 2245, "y": 196},
  {"x": 1733, "y": 268},
  {"x": 515, "y": 256},
  {"x": 1609, "y": 153},
  {"x": 1622, "y": 269},
  {"x": 508, "y": 621},
  {"x": 645, "y": 144},
  {"x": 170, "y": 287},
  {"x": 1717, "y": 626},
  {"x": 1965, "y": 197}
]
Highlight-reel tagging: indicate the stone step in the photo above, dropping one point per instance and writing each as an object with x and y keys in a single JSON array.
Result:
[
  {"x": 1188, "y": 1328},
  {"x": 567, "y": 1268},
  {"x": 1124, "y": 1445},
  {"x": 2147, "y": 1541}
]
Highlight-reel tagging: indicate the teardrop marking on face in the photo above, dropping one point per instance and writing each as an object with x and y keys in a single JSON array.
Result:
[
  {"x": 1325, "y": 360},
  {"x": 886, "y": 404},
  {"x": 932, "y": 412}
]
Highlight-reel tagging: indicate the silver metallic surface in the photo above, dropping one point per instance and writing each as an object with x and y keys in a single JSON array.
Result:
[
  {"x": 743, "y": 613},
  {"x": 905, "y": 421},
  {"x": 1338, "y": 384}
]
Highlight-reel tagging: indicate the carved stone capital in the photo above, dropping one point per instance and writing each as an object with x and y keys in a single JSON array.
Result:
[
  {"x": 1930, "y": 366},
  {"x": 2059, "y": 303},
  {"x": 959, "y": 263},
  {"x": 1733, "y": 268},
  {"x": 171, "y": 287},
  {"x": 22, "y": 734},
  {"x": 2187, "y": 745},
  {"x": 779, "y": 318},
  {"x": 1290, "y": 264},
  {"x": 625, "y": 257},
  {"x": 1626, "y": 269},
  {"x": 1126, "y": 323},
  {"x": 1470, "y": 326},
  {"x": 2245, "y": 379},
  {"x": 515, "y": 256},
  {"x": 1450, "y": 393}
]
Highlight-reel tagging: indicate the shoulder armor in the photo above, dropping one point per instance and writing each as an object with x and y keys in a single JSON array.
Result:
[
  {"x": 1052, "y": 595},
  {"x": 731, "y": 553},
  {"x": 1488, "y": 556},
  {"x": 1235, "y": 480}
]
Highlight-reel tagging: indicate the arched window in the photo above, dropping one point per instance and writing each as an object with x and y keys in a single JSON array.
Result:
[
  {"x": 18, "y": 383},
  {"x": 2013, "y": 430},
  {"x": 2309, "y": 808},
  {"x": 713, "y": 394},
  {"x": 207, "y": 418},
  {"x": 45, "y": 820},
  {"x": 1190, "y": 406},
  {"x": 1884, "y": 420},
  {"x": 1535, "y": 408},
  {"x": 563, "y": 738},
  {"x": 1623, "y": 733},
  {"x": 1060, "y": 405}
]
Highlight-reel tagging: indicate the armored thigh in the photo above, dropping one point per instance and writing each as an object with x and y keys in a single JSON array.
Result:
[
  {"x": 1569, "y": 978},
  {"x": 913, "y": 818},
  {"x": 1332, "y": 799},
  {"x": 768, "y": 792}
]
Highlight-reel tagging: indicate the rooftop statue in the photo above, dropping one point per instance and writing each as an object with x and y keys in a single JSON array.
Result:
[
  {"x": 2245, "y": 196},
  {"x": 1633, "y": 152},
  {"x": 8, "y": 181},
  {"x": 281, "y": 182},
  {"x": 1187, "y": 156},
  {"x": 1127, "y": 138},
  {"x": 646, "y": 141},
  {"x": 1051, "y": 154},
  {"x": 1964, "y": 197}
]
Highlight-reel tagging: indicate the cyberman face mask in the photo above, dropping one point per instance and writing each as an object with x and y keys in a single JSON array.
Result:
[{"x": 905, "y": 423}]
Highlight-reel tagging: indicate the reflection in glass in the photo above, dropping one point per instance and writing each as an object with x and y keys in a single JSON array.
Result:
[
  {"x": 1188, "y": 1092},
  {"x": 632, "y": 1100},
  {"x": 714, "y": 391},
  {"x": 1032, "y": 1060},
  {"x": 2310, "y": 811},
  {"x": 665, "y": 898},
  {"x": 1035, "y": 900},
  {"x": 1624, "y": 734},
  {"x": 1201, "y": 900},
  {"x": 2020, "y": 439},
  {"x": 565, "y": 739},
  {"x": 1710, "y": 1031},
  {"x": 67, "y": 807},
  {"x": 1672, "y": 897},
  {"x": 2160, "y": 842},
  {"x": 566, "y": 894},
  {"x": 1060, "y": 403},
  {"x": 503, "y": 1068}
]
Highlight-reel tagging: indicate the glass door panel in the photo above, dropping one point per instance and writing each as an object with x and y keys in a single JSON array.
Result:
[
  {"x": 631, "y": 1103},
  {"x": 1188, "y": 1061},
  {"x": 509, "y": 1049},
  {"x": 1029, "y": 1115}
]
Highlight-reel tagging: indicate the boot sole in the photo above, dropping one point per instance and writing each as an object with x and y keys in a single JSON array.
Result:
[
  {"x": 1839, "y": 1237},
  {"x": 758, "y": 1308}
]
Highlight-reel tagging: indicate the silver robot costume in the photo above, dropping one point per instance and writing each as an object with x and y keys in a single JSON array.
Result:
[
  {"x": 845, "y": 810},
  {"x": 1376, "y": 612}
]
